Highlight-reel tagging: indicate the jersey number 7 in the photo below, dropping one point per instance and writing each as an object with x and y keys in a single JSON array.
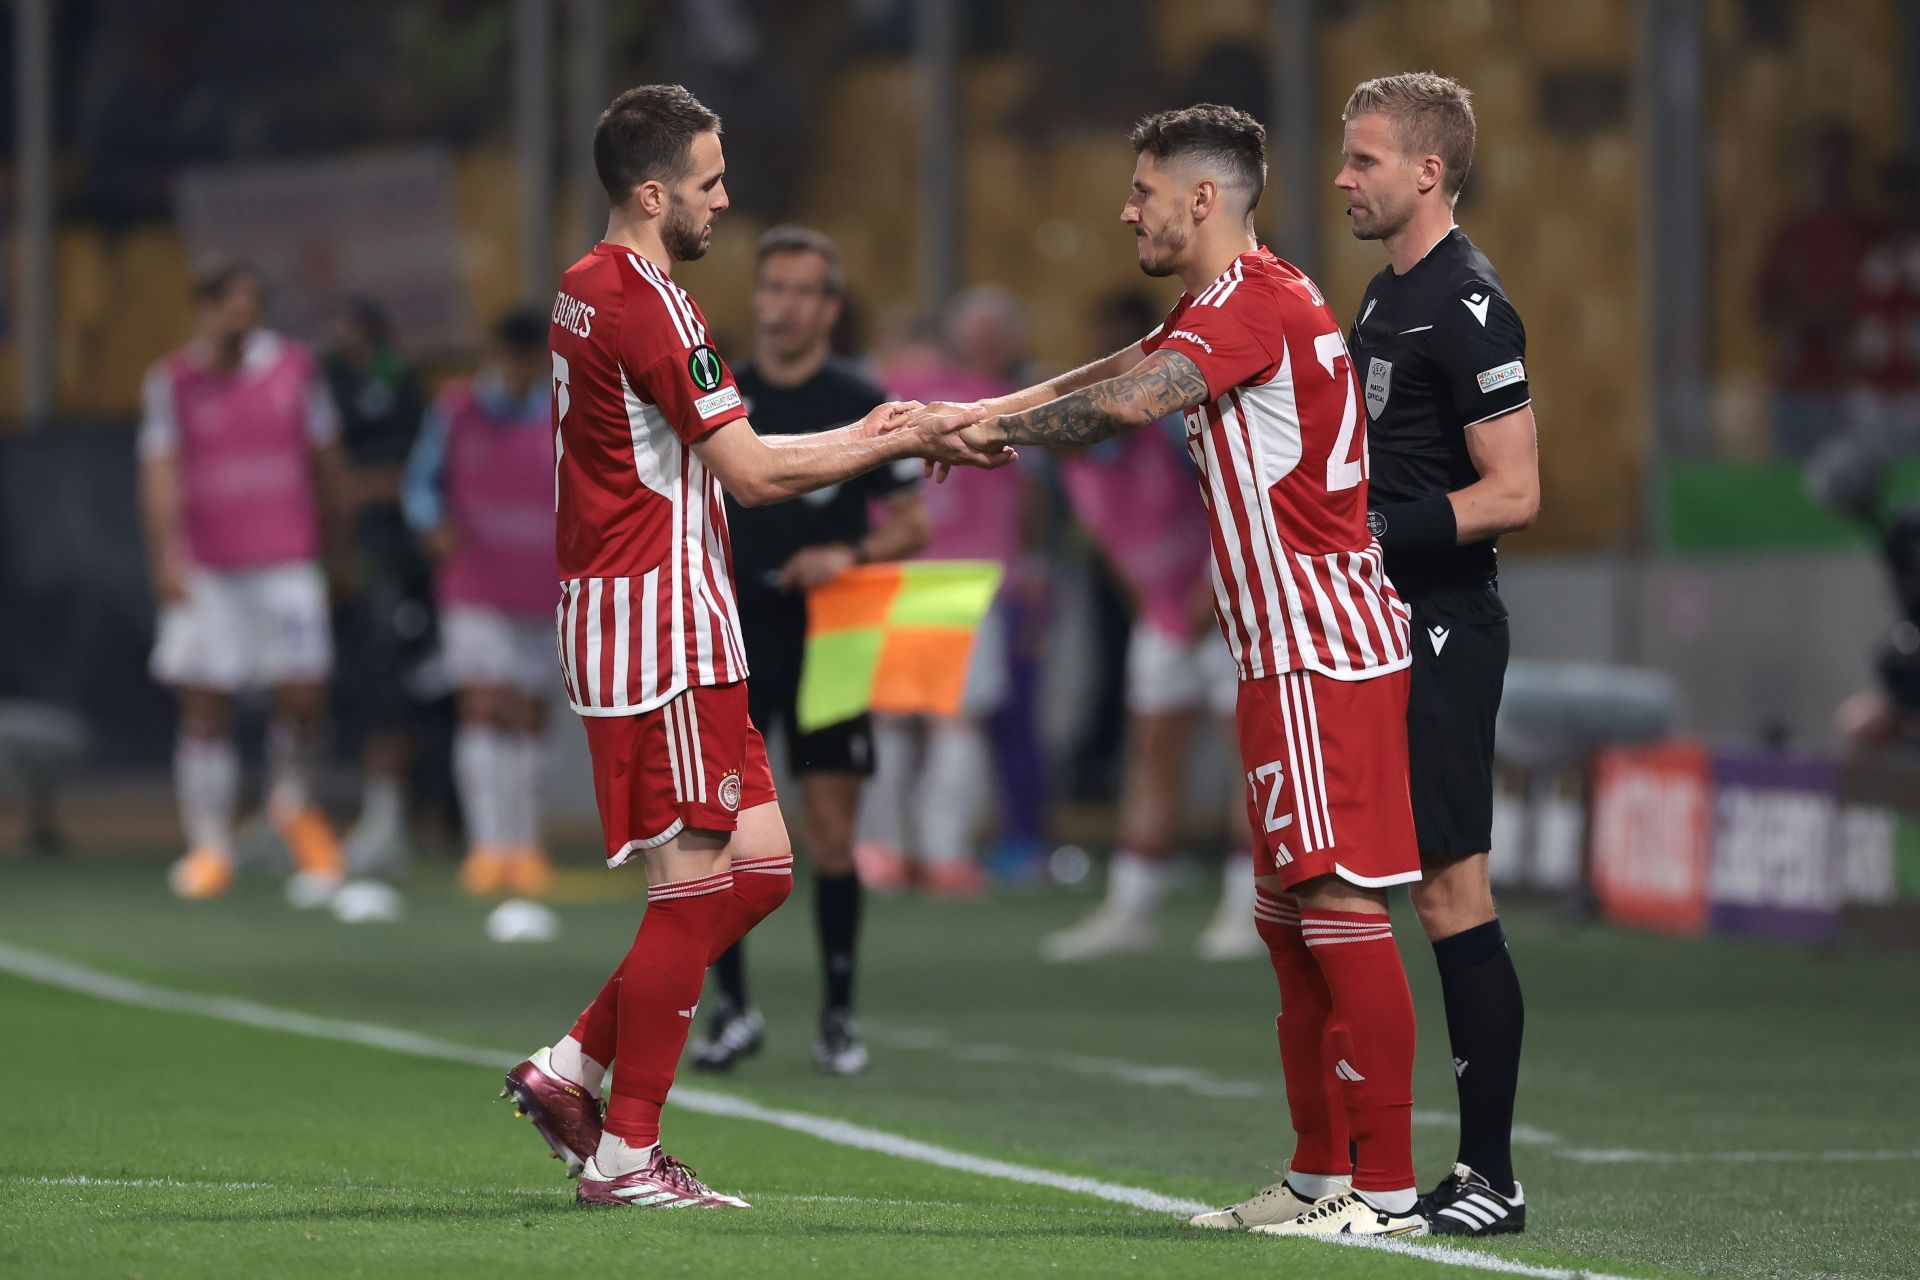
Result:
[{"x": 561, "y": 373}]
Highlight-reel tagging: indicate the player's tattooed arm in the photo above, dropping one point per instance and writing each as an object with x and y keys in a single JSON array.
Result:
[{"x": 1163, "y": 383}]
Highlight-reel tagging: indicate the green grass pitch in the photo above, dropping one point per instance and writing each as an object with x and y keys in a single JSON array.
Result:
[{"x": 1690, "y": 1109}]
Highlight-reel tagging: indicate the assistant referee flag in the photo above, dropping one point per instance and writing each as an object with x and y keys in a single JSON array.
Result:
[{"x": 892, "y": 637}]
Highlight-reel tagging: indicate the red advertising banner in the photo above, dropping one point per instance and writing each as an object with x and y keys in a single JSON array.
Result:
[{"x": 1652, "y": 836}]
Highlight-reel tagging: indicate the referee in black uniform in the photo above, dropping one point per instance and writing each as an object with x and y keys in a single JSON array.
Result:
[
  {"x": 1441, "y": 357},
  {"x": 794, "y": 385}
]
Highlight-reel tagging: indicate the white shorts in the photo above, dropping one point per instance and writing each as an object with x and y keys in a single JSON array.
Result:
[
  {"x": 1165, "y": 674},
  {"x": 246, "y": 629},
  {"x": 485, "y": 646}
]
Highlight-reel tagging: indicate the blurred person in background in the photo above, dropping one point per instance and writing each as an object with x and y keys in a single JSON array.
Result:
[
  {"x": 384, "y": 624},
  {"x": 1808, "y": 288},
  {"x": 1441, "y": 354},
  {"x": 241, "y": 482},
  {"x": 1852, "y": 478},
  {"x": 479, "y": 489},
  {"x": 1884, "y": 406},
  {"x": 939, "y": 769},
  {"x": 1134, "y": 494},
  {"x": 780, "y": 552}
]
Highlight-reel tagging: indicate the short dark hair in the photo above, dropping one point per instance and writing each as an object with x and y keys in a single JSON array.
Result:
[
  {"x": 217, "y": 273},
  {"x": 1431, "y": 114},
  {"x": 522, "y": 330},
  {"x": 1227, "y": 136},
  {"x": 646, "y": 134},
  {"x": 789, "y": 238}
]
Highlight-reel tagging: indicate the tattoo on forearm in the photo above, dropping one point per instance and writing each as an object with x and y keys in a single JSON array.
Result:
[{"x": 1163, "y": 382}]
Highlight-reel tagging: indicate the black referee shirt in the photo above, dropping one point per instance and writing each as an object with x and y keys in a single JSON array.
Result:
[
  {"x": 1438, "y": 350},
  {"x": 765, "y": 538}
]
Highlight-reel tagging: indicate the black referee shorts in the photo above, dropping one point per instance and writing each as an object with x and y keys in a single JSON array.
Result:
[
  {"x": 773, "y": 695},
  {"x": 1459, "y": 666}
]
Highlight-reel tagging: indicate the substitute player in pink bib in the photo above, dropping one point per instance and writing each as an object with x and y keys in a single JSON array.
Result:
[
  {"x": 1253, "y": 358},
  {"x": 479, "y": 490},
  {"x": 239, "y": 463},
  {"x": 648, "y": 430}
]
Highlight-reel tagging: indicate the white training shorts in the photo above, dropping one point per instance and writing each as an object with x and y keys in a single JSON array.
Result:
[
  {"x": 246, "y": 629},
  {"x": 1166, "y": 674},
  {"x": 483, "y": 646}
]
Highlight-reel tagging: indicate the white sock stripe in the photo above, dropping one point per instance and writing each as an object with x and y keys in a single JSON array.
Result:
[
  {"x": 751, "y": 864},
  {"x": 1314, "y": 922},
  {"x": 719, "y": 883},
  {"x": 1334, "y": 942}
]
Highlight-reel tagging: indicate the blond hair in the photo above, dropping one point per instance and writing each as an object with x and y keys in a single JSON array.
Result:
[{"x": 1431, "y": 115}]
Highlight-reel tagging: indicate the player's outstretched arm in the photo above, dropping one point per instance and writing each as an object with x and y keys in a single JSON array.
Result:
[
  {"x": 1162, "y": 383},
  {"x": 757, "y": 470},
  {"x": 1067, "y": 383}
]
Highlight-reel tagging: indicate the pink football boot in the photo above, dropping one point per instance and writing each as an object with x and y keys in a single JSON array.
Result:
[
  {"x": 564, "y": 1114},
  {"x": 664, "y": 1184}
]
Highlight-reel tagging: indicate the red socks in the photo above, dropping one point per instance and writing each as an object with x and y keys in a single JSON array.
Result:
[
  {"x": 594, "y": 1029},
  {"x": 1372, "y": 1035},
  {"x": 1305, "y": 1026},
  {"x": 659, "y": 990},
  {"x": 760, "y": 885}
]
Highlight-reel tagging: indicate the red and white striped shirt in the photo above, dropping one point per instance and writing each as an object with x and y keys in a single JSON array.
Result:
[
  {"x": 646, "y": 570},
  {"x": 1281, "y": 448}
]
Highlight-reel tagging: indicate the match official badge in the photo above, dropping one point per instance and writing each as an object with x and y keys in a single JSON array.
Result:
[
  {"x": 730, "y": 792},
  {"x": 1379, "y": 383},
  {"x": 703, "y": 366}
]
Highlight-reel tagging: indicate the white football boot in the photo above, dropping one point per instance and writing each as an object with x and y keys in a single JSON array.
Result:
[
  {"x": 1277, "y": 1203},
  {"x": 1348, "y": 1215}
]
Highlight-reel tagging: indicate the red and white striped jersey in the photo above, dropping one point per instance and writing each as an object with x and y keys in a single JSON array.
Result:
[
  {"x": 646, "y": 570},
  {"x": 1281, "y": 448}
]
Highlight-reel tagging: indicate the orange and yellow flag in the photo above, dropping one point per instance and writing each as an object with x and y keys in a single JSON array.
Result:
[{"x": 892, "y": 637}]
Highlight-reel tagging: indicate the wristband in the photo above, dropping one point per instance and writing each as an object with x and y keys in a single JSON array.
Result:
[{"x": 1414, "y": 526}]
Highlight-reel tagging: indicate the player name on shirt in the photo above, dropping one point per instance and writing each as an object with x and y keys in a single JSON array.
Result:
[
  {"x": 647, "y": 605},
  {"x": 1281, "y": 449}
]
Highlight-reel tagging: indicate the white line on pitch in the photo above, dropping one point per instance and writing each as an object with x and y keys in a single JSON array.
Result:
[
  {"x": 1193, "y": 1080},
  {"x": 1627, "y": 1155},
  {"x": 54, "y": 972}
]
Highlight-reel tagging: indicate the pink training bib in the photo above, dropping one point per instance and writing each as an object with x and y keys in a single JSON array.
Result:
[
  {"x": 499, "y": 482},
  {"x": 245, "y": 454}
]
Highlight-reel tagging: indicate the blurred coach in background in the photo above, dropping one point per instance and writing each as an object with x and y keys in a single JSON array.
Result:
[{"x": 794, "y": 385}]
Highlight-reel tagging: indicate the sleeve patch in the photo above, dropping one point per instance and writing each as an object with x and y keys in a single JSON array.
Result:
[
  {"x": 719, "y": 402},
  {"x": 1491, "y": 380}
]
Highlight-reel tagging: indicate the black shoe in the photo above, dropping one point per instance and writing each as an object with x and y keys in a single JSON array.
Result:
[
  {"x": 1467, "y": 1205},
  {"x": 837, "y": 1050},
  {"x": 732, "y": 1034}
]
